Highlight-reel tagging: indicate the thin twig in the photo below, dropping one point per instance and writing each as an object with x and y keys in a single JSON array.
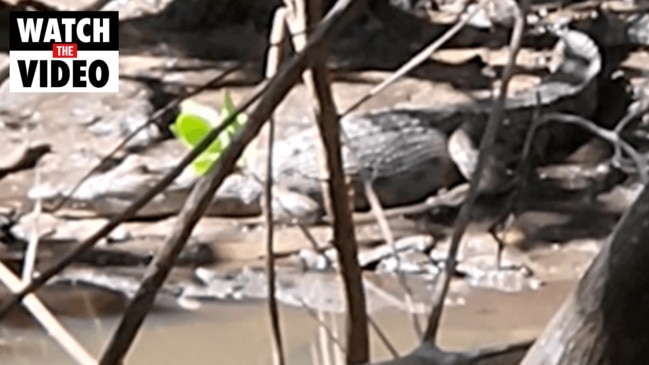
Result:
[
  {"x": 32, "y": 246},
  {"x": 296, "y": 21},
  {"x": 513, "y": 204},
  {"x": 605, "y": 134},
  {"x": 388, "y": 297},
  {"x": 523, "y": 171},
  {"x": 270, "y": 257},
  {"x": 47, "y": 320},
  {"x": 297, "y": 24},
  {"x": 417, "y": 60},
  {"x": 617, "y": 152},
  {"x": 464, "y": 217},
  {"x": 636, "y": 110},
  {"x": 31, "y": 302},
  {"x": 324, "y": 327},
  {"x": 378, "y": 212},
  {"x": 200, "y": 197},
  {"x": 276, "y": 36},
  {"x": 321, "y": 323},
  {"x": 450, "y": 198},
  {"x": 384, "y": 339}
]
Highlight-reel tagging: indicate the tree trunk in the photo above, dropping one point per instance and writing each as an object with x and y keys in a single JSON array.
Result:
[{"x": 605, "y": 320}]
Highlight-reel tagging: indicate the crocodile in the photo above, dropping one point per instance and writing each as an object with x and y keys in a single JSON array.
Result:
[
  {"x": 410, "y": 154},
  {"x": 404, "y": 153}
]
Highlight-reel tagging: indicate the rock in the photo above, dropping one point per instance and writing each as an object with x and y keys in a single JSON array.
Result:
[
  {"x": 53, "y": 229},
  {"x": 371, "y": 256},
  {"x": 505, "y": 280},
  {"x": 318, "y": 261},
  {"x": 409, "y": 262},
  {"x": 291, "y": 207}
]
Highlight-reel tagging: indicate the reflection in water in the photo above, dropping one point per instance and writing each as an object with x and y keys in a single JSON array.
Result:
[{"x": 238, "y": 333}]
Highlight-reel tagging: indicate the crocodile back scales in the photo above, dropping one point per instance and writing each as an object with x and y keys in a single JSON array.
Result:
[{"x": 396, "y": 151}]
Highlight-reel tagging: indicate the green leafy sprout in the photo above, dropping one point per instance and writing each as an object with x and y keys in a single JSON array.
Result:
[{"x": 194, "y": 123}]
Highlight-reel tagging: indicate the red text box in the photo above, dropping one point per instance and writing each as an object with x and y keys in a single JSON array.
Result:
[{"x": 64, "y": 50}]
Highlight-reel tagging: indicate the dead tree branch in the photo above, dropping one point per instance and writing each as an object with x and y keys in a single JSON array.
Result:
[{"x": 603, "y": 321}]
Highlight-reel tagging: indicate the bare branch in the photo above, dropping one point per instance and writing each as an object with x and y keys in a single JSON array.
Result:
[
  {"x": 605, "y": 134},
  {"x": 464, "y": 217},
  {"x": 384, "y": 339},
  {"x": 276, "y": 36},
  {"x": 47, "y": 320}
]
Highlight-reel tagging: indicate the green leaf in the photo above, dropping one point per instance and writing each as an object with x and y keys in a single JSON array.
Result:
[
  {"x": 228, "y": 106},
  {"x": 202, "y": 163},
  {"x": 194, "y": 123},
  {"x": 227, "y": 110},
  {"x": 191, "y": 129},
  {"x": 201, "y": 110}
]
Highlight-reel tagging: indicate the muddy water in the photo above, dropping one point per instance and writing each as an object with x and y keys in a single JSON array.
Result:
[{"x": 238, "y": 333}]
